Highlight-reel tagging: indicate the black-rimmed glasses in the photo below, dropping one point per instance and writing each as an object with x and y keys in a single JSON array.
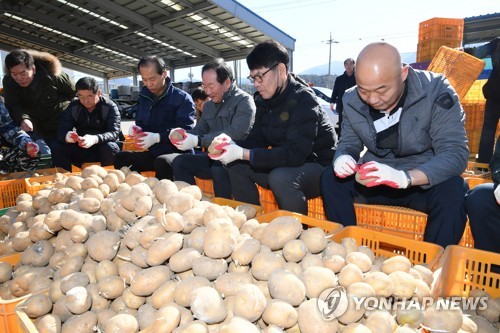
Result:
[{"x": 260, "y": 77}]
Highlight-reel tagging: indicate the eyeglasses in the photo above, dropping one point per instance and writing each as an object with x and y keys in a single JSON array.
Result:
[{"x": 260, "y": 77}]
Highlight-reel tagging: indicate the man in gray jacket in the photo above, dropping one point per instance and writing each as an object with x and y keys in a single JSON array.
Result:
[
  {"x": 412, "y": 126},
  {"x": 230, "y": 110}
]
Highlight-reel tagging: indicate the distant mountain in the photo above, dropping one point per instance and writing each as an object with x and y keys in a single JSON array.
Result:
[{"x": 338, "y": 66}]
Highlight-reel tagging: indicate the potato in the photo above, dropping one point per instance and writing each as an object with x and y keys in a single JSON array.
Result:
[
  {"x": 192, "y": 190},
  {"x": 163, "y": 248},
  {"x": 89, "y": 205},
  {"x": 404, "y": 284},
  {"x": 350, "y": 274},
  {"x": 238, "y": 324},
  {"x": 381, "y": 321},
  {"x": 381, "y": 283},
  {"x": 37, "y": 305},
  {"x": 38, "y": 254},
  {"x": 78, "y": 300},
  {"x": 352, "y": 314},
  {"x": 121, "y": 323},
  {"x": 5, "y": 271},
  {"x": 412, "y": 317},
  {"x": 103, "y": 245},
  {"x": 362, "y": 289},
  {"x": 138, "y": 256},
  {"x": 279, "y": 231},
  {"x": 167, "y": 318},
  {"x": 196, "y": 239},
  {"x": 359, "y": 259},
  {"x": 209, "y": 268},
  {"x": 249, "y": 227},
  {"x": 48, "y": 324},
  {"x": 164, "y": 189},
  {"x": 71, "y": 265},
  {"x": 164, "y": 294},
  {"x": 182, "y": 260},
  {"x": 148, "y": 280},
  {"x": 77, "y": 279},
  {"x": 295, "y": 250},
  {"x": 447, "y": 317},
  {"x": 314, "y": 239},
  {"x": 220, "y": 238},
  {"x": 396, "y": 263},
  {"x": 265, "y": 263},
  {"x": 228, "y": 284},
  {"x": 208, "y": 306},
  {"x": 280, "y": 313},
  {"x": 186, "y": 287},
  {"x": 317, "y": 279},
  {"x": 286, "y": 286},
  {"x": 98, "y": 302},
  {"x": 356, "y": 328},
  {"x": 246, "y": 248},
  {"x": 311, "y": 320},
  {"x": 334, "y": 263}
]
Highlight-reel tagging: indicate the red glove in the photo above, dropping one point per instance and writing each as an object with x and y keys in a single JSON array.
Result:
[{"x": 32, "y": 149}]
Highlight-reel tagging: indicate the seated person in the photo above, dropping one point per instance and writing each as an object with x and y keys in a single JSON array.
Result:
[
  {"x": 161, "y": 108},
  {"x": 18, "y": 152},
  {"x": 229, "y": 110},
  {"x": 199, "y": 98},
  {"x": 88, "y": 129},
  {"x": 412, "y": 125},
  {"x": 483, "y": 208},
  {"x": 291, "y": 142}
]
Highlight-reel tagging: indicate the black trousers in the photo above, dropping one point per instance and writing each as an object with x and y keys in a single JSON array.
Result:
[
  {"x": 65, "y": 154},
  {"x": 188, "y": 166},
  {"x": 491, "y": 117},
  {"x": 443, "y": 203},
  {"x": 484, "y": 217},
  {"x": 144, "y": 161},
  {"x": 291, "y": 186}
]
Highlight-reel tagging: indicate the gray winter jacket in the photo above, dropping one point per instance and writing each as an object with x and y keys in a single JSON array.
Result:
[
  {"x": 432, "y": 135},
  {"x": 234, "y": 116}
]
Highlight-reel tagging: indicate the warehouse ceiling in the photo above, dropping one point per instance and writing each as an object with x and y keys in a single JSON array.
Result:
[{"x": 108, "y": 37}]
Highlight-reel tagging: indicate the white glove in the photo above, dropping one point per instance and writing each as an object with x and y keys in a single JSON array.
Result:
[
  {"x": 497, "y": 194},
  {"x": 230, "y": 152},
  {"x": 345, "y": 166},
  {"x": 384, "y": 174},
  {"x": 26, "y": 125},
  {"x": 177, "y": 135},
  {"x": 88, "y": 141},
  {"x": 32, "y": 149},
  {"x": 71, "y": 137},
  {"x": 134, "y": 130},
  {"x": 223, "y": 137},
  {"x": 190, "y": 141},
  {"x": 171, "y": 157},
  {"x": 147, "y": 140}
]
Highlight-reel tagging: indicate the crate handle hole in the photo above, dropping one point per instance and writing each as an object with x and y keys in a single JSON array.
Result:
[{"x": 392, "y": 248}]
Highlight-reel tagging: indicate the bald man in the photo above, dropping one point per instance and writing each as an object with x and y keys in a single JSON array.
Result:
[{"x": 412, "y": 126}]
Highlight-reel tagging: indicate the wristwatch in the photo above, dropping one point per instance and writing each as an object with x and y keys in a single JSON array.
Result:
[{"x": 408, "y": 177}]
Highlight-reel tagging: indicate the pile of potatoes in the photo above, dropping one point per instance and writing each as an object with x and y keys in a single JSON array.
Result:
[{"x": 113, "y": 251}]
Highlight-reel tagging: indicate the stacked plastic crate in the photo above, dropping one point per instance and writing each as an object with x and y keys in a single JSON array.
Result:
[{"x": 437, "y": 32}]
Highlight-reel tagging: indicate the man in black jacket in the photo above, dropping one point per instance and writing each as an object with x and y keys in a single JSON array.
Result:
[
  {"x": 342, "y": 83},
  {"x": 483, "y": 208},
  {"x": 89, "y": 128}
]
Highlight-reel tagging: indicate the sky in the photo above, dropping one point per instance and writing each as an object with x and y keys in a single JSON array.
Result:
[{"x": 356, "y": 23}]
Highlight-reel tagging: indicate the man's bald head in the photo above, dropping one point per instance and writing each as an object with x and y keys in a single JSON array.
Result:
[
  {"x": 377, "y": 58},
  {"x": 380, "y": 75}
]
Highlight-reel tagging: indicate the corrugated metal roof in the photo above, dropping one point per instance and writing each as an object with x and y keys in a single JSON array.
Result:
[
  {"x": 481, "y": 29},
  {"x": 108, "y": 37}
]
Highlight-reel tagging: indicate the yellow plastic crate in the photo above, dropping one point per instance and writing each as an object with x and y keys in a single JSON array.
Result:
[
  {"x": 327, "y": 226},
  {"x": 8, "y": 318},
  {"x": 234, "y": 204},
  {"x": 461, "y": 270},
  {"x": 387, "y": 245},
  {"x": 35, "y": 184},
  {"x": 460, "y": 68}
]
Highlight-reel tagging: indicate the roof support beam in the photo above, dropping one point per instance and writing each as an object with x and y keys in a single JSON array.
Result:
[{"x": 139, "y": 19}]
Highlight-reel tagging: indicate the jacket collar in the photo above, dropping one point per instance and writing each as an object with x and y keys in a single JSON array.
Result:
[
  {"x": 145, "y": 91},
  {"x": 230, "y": 92},
  {"x": 277, "y": 99}
]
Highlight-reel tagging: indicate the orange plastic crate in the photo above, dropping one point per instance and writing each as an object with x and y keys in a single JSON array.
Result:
[
  {"x": 383, "y": 244},
  {"x": 129, "y": 145},
  {"x": 460, "y": 68},
  {"x": 35, "y": 184},
  {"x": 327, "y": 226},
  {"x": 9, "y": 191},
  {"x": 461, "y": 270},
  {"x": 206, "y": 186},
  {"x": 441, "y": 28},
  {"x": 234, "y": 204},
  {"x": 427, "y": 49},
  {"x": 474, "y": 181},
  {"x": 8, "y": 318},
  {"x": 475, "y": 93}
]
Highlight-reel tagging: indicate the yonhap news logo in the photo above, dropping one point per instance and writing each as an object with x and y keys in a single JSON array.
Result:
[{"x": 333, "y": 303}]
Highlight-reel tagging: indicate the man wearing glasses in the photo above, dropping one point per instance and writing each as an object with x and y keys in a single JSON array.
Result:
[
  {"x": 230, "y": 110},
  {"x": 88, "y": 129},
  {"x": 291, "y": 142}
]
